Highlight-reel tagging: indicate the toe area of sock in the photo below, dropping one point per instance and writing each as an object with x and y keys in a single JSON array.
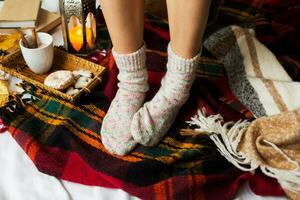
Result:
[
  {"x": 115, "y": 146},
  {"x": 142, "y": 127}
]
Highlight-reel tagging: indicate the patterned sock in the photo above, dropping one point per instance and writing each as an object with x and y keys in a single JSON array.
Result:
[
  {"x": 115, "y": 132},
  {"x": 153, "y": 120}
]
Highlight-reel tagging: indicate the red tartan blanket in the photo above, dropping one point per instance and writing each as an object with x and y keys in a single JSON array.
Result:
[{"x": 63, "y": 139}]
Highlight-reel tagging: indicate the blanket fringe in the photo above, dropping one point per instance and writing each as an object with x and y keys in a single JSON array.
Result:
[
  {"x": 227, "y": 137},
  {"x": 288, "y": 179}
]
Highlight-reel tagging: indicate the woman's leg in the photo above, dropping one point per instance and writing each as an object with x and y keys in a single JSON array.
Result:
[
  {"x": 125, "y": 23},
  {"x": 124, "y": 20},
  {"x": 187, "y": 21}
]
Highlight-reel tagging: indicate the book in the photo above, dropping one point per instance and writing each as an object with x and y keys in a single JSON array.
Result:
[
  {"x": 19, "y": 13},
  {"x": 46, "y": 21}
]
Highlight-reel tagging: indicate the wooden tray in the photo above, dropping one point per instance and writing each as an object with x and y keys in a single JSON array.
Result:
[{"x": 15, "y": 65}]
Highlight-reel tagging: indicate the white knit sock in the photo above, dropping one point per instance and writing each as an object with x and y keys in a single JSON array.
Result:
[
  {"x": 115, "y": 132},
  {"x": 153, "y": 120}
]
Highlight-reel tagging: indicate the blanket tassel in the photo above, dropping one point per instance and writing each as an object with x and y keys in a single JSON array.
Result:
[{"x": 227, "y": 137}]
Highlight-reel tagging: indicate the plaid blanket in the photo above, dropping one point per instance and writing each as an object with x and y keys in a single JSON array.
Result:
[{"x": 63, "y": 140}]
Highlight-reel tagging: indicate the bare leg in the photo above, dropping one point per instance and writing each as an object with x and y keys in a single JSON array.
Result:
[
  {"x": 124, "y": 20},
  {"x": 187, "y": 21}
]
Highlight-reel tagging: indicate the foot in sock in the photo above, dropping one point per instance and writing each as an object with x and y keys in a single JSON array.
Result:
[
  {"x": 150, "y": 124},
  {"x": 115, "y": 132}
]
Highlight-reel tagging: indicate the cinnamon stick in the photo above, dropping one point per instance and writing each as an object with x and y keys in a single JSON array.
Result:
[
  {"x": 34, "y": 39},
  {"x": 24, "y": 40}
]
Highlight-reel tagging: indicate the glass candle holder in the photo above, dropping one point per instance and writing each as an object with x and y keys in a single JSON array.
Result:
[{"x": 79, "y": 25}]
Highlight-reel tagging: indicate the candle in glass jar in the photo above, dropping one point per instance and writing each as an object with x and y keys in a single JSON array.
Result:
[{"x": 76, "y": 37}]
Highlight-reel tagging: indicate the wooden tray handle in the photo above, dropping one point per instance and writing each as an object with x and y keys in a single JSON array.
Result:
[{"x": 97, "y": 80}]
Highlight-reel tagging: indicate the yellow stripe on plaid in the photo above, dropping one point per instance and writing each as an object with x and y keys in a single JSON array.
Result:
[
  {"x": 93, "y": 142},
  {"x": 182, "y": 145},
  {"x": 61, "y": 119},
  {"x": 174, "y": 146},
  {"x": 97, "y": 115}
]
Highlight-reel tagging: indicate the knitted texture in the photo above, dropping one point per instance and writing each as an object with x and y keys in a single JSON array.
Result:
[
  {"x": 260, "y": 82},
  {"x": 133, "y": 86},
  {"x": 153, "y": 120},
  {"x": 263, "y": 89}
]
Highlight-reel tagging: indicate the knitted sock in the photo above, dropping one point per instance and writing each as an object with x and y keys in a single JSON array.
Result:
[
  {"x": 115, "y": 132},
  {"x": 153, "y": 120}
]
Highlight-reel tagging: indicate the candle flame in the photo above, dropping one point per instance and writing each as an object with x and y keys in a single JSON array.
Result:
[{"x": 76, "y": 33}]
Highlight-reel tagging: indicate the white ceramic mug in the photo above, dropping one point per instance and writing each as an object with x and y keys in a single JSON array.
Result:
[{"x": 40, "y": 59}]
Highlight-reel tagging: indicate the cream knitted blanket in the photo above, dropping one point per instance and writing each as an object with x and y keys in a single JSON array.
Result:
[{"x": 272, "y": 141}]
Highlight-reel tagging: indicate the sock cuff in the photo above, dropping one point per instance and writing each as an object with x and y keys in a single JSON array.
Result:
[
  {"x": 177, "y": 63},
  {"x": 132, "y": 61}
]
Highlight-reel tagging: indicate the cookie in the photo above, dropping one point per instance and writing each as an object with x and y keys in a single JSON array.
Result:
[
  {"x": 60, "y": 80},
  {"x": 72, "y": 91},
  {"x": 82, "y": 82},
  {"x": 82, "y": 73}
]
